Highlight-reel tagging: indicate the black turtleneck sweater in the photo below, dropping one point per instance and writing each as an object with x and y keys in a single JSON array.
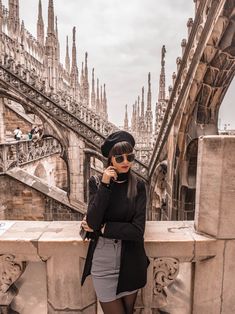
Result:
[{"x": 109, "y": 205}]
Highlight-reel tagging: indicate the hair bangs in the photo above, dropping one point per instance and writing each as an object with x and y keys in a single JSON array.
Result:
[{"x": 121, "y": 148}]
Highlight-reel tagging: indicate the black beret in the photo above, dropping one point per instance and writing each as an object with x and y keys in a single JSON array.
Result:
[{"x": 114, "y": 138}]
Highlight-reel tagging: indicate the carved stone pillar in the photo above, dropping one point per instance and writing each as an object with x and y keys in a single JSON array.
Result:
[
  {"x": 161, "y": 273},
  {"x": 76, "y": 168},
  {"x": 183, "y": 45},
  {"x": 189, "y": 25},
  {"x": 178, "y": 63},
  {"x": 2, "y": 123}
]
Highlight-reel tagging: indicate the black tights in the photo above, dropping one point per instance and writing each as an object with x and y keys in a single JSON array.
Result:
[{"x": 124, "y": 305}]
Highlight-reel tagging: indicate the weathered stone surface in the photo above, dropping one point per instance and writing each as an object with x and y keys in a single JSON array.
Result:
[
  {"x": 228, "y": 305},
  {"x": 208, "y": 282},
  {"x": 215, "y": 197},
  {"x": 177, "y": 239},
  {"x": 59, "y": 245}
]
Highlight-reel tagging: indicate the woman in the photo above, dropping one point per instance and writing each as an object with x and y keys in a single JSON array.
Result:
[{"x": 116, "y": 215}]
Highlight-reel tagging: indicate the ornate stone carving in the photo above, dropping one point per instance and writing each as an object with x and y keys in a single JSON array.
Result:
[
  {"x": 10, "y": 271},
  {"x": 165, "y": 270},
  {"x": 19, "y": 153}
]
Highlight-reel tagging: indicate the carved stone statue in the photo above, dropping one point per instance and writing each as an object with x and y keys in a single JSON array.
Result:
[{"x": 10, "y": 271}]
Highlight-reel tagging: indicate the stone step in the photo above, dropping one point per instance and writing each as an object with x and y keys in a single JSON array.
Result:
[{"x": 51, "y": 191}]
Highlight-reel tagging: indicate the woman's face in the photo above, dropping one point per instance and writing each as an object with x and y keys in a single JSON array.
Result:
[{"x": 123, "y": 162}]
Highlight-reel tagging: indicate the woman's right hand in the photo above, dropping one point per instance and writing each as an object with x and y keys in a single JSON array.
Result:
[{"x": 109, "y": 173}]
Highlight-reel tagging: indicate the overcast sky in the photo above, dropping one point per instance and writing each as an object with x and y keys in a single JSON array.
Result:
[{"x": 123, "y": 40}]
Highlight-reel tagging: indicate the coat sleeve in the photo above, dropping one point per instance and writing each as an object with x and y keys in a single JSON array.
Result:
[
  {"x": 134, "y": 230},
  {"x": 98, "y": 202}
]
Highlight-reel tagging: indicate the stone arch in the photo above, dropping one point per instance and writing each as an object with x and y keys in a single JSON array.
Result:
[
  {"x": 187, "y": 190},
  {"x": 53, "y": 128}
]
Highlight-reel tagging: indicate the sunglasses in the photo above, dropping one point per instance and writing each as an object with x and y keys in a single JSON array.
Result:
[{"x": 120, "y": 158}]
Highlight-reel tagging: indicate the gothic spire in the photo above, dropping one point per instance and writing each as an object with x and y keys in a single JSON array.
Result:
[
  {"x": 142, "y": 103},
  {"x": 133, "y": 118},
  {"x": 93, "y": 90},
  {"x": 97, "y": 97},
  {"x": 161, "y": 104},
  {"x": 93, "y": 81},
  {"x": 105, "y": 103},
  {"x": 149, "y": 114},
  {"x": 82, "y": 76},
  {"x": 86, "y": 68},
  {"x": 162, "y": 82},
  {"x": 22, "y": 32},
  {"x": 101, "y": 99},
  {"x": 51, "y": 19},
  {"x": 86, "y": 84},
  {"x": 67, "y": 59},
  {"x": 74, "y": 53},
  {"x": 57, "y": 39},
  {"x": 74, "y": 68},
  {"x": 138, "y": 107},
  {"x": 149, "y": 98},
  {"x": 56, "y": 28},
  {"x": 40, "y": 24},
  {"x": 14, "y": 16},
  {"x": 126, "y": 120}
]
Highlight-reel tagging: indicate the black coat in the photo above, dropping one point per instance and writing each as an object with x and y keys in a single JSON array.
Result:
[{"x": 123, "y": 222}]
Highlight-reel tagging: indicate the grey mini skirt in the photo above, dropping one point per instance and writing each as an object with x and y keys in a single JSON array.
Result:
[{"x": 105, "y": 269}]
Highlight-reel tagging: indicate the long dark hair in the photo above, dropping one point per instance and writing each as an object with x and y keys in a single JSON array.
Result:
[{"x": 125, "y": 148}]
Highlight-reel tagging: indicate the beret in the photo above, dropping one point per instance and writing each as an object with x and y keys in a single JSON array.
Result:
[{"x": 114, "y": 138}]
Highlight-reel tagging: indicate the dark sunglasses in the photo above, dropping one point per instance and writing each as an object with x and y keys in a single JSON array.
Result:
[{"x": 120, "y": 158}]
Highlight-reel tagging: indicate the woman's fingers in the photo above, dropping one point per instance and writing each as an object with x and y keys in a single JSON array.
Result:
[{"x": 86, "y": 227}]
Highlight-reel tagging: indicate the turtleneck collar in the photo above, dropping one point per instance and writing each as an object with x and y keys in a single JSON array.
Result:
[{"x": 122, "y": 176}]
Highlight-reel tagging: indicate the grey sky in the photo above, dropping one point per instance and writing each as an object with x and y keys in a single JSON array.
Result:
[{"x": 123, "y": 40}]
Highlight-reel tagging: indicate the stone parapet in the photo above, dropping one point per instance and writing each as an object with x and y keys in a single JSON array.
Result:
[{"x": 170, "y": 246}]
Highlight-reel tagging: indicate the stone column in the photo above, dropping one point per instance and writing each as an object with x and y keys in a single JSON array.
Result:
[
  {"x": 76, "y": 168},
  {"x": 215, "y": 197},
  {"x": 2, "y": 124},
  {"x": 214, "y": 285}
]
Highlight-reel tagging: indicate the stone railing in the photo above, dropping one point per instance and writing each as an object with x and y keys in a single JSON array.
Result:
[
  {"x": 183, "y": 264},
  {"x": 19, "y": 153}
]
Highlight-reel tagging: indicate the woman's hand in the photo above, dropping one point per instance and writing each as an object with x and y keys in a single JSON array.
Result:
[
  {"x": 85, "y": 225},
  {"x": 109, "y": 173}
]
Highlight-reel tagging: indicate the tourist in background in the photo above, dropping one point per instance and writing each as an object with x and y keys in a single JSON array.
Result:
[
  {"x": 17, "y": 133},
  {"x": 32, "y": 132}
]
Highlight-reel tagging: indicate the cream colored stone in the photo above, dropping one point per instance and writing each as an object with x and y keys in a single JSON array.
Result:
[
  {"x": 59, "y": 245},
  {"x": 215, "y": 197},
  {"x": 21, "y": 239},
  {"x": 228, "y": 304},
  {"x": 208, "y": 281}
]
